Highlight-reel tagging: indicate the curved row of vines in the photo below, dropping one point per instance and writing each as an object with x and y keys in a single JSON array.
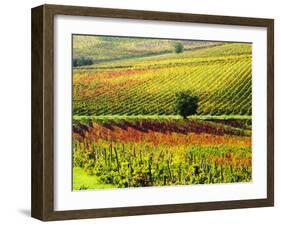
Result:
[{"x": 223, "y": 84}]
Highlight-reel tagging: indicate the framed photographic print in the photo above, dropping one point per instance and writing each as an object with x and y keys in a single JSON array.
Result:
[{"x": 141, "y": 112}]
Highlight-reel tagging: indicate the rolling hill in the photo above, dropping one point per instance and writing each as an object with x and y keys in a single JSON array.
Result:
[
  {"x": 127, "y": 83},
  {"x": 106, "y": 48}
]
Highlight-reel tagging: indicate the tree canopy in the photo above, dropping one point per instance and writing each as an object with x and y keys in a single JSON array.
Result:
[
  {"x": 186, "y": 103},
  {"x": 178, "y": 46}
]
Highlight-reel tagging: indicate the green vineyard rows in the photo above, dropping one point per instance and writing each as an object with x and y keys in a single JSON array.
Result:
[
  {"x": 221, "y": 76},
  {"x": 134, "y": 165}
]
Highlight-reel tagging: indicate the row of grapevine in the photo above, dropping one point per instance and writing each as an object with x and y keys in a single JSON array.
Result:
[
  {"x": 134, "y": 165},
  {"x": 222, "y": 83}
]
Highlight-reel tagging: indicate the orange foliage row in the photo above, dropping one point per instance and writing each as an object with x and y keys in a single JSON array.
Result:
[
  {"x": 130, "y": 134},
  {"x": 232, "y": 160}
]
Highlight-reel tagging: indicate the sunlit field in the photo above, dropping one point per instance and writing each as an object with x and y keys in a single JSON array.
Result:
[{"x": 127, "y": 130}]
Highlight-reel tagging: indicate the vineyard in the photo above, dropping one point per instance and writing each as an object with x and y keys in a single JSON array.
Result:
[
  {"x": 126, "y": 129},
  {"x": 220, "y": 76},
  {"x": 105, "y": 48},
  {"x": 149, "y": 152}
]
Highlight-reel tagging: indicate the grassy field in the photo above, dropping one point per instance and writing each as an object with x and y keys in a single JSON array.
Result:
[
  {"x": 83, "y": 181},
  {"x": 126, "y": 131}
]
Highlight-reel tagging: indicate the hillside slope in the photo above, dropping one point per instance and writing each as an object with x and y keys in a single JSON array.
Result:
[
  {"x": 106, "y": 48},
  {"x": 219, "y": 75}
]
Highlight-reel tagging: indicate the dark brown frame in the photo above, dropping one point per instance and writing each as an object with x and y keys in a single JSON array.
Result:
[{"x": 42, "y": 197}]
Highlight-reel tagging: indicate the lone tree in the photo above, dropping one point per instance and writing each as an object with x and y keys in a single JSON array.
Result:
[
  {"x": 186, "y": 103},
  {"x": 178, "y": 47}
]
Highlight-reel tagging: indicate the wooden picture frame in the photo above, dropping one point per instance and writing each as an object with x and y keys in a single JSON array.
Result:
[{"x": 42, "y": 203}]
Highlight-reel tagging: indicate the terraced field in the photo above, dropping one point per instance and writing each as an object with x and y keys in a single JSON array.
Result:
[{"x": 219, "y": 75}]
